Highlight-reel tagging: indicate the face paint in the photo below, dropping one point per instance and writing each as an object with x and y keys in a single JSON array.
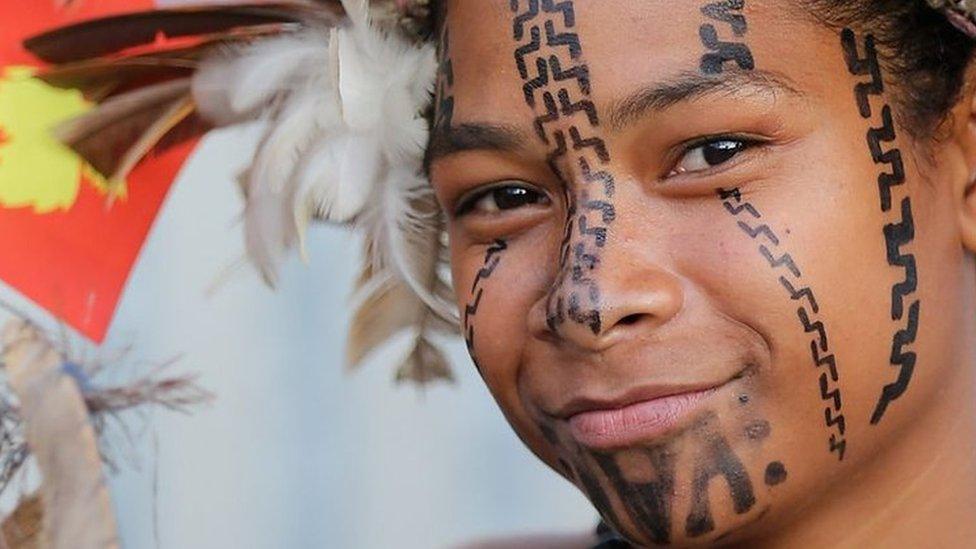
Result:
[
  {"x": 556, "y": 85},
  {"x": 900, "y": 232},
  {"x": 650, "y": 505},
  {"x": 758, "y": 430},
  {"x": 807, "y": 313},
  {"x": 729, "y": 13},
  {"x": 724, "y": 463},
  {"x": 702, "y": 299},
  {"x": 492, "y": 260},
  {"x": 775, "y": 474}
]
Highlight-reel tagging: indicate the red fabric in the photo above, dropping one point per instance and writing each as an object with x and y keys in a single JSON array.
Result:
[{"x": 75, "y": 262}]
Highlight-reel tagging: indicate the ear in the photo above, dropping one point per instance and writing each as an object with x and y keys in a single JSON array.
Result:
[{"x": 959, "y": 160}]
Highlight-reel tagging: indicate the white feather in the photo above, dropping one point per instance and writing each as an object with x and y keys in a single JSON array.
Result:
[
  {"x": 358, "y": 89},
  {"x": 357, "y": 11},
  {"x": 235, "y": 85},
  {"x": 404, "y": 242},
  {"x": 340, "y": 177},
  {"x": 279, "y": 66},
  {"x": 344, "y": 144},
  {"x": 269, "y": 230}
]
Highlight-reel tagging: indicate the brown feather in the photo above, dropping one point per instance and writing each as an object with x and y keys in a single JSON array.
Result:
[
  {"x": 108, "y": 35},
  {"x": 22, "y": 529},
  {"x": 190, "y": 128},
  {"x": 425, "y": 364},
  {"x": 107, "y": 135},
  {"x": 393, "y": 306},
  {"x": 381, "y": 315},
  {"x": 100, "y": 77},
  {"x": 171, "y": 116},
  {"x": 385, "y": 313}
]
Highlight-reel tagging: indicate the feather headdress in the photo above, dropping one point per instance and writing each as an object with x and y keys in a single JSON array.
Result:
[
  {"x": 962, "y": 14},
  {"x": 342, "y": 92},
  {"x": 345, "y": 144}
]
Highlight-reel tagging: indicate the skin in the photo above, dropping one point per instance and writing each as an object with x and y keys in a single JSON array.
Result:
[{"x": 686, "y": 298}]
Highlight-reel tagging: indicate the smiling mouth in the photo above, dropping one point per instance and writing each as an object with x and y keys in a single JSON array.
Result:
[{"x": 609, "y": 427}]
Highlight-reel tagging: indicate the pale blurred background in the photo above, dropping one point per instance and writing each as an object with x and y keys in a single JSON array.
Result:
[{"x": 294, "y": 452}]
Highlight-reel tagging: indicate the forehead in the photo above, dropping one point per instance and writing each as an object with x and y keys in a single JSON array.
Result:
[{"x": 623, "y": 44}]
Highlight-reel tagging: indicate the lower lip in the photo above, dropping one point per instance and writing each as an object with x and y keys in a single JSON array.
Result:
[{"x": 642, "y": 421}]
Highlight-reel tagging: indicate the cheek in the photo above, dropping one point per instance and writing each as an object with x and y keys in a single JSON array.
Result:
[
  {"x": 800, "y": 259},
  {"x": 496, "y": 288},
  {"x": 945, "y": 293}
]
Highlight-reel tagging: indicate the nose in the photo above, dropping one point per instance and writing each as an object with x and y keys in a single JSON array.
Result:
[{"x": 601, "y": 299}]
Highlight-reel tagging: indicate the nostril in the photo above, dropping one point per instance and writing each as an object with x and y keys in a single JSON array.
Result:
[{"x": 630, "y": 320}]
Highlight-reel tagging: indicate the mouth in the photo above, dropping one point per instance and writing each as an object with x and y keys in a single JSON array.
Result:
[{"x": 639, "y": 417}]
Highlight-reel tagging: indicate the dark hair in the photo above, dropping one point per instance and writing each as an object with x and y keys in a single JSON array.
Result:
[{"x": 923, "y": 56}]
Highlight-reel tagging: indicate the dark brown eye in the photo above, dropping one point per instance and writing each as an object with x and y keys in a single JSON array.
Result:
[
  {"x": 502, "y": 198},
  {"x": 710, "y": 154}
]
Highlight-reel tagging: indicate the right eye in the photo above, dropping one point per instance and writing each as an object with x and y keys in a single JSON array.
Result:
[
  {"x": 711, "y": 153},
  {"x": 501, "y": 198}
]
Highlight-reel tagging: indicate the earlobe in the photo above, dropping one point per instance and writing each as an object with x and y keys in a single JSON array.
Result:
[
  {"x": 967, "y": 214},
  {"x": 961, "y": 166}
]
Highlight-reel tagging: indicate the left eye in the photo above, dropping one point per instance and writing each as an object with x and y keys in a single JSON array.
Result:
[
  {"x": 710, "y": 154},
  {"x": 502, "y": 198}
]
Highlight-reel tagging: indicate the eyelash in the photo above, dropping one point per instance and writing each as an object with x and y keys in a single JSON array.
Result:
[
  {"x": 467, "y": 204},
  {"x": 745, "y": 143}
]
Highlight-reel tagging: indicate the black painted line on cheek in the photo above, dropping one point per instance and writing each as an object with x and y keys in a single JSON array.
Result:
[
  {"x": 748, "y": 217},
  {"x": 899, "y": 232},
  {"x": 492, "y": 260},
  {"x": 729, "y": 13},
  {"x": 556, "y": 85}
]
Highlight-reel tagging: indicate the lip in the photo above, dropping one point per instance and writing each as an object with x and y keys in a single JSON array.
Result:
[{"x": 625, "y": 422}]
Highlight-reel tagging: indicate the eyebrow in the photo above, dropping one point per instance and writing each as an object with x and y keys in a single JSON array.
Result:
[
  {"x": 690, "y": 85},
  {"x": 685, "y": 86},
  {"x": 446, "y": 140}
]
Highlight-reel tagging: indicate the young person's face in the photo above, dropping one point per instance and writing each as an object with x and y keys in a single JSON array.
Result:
[{"x": 677, "y": 271}]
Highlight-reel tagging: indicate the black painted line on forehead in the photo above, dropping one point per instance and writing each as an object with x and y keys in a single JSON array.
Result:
[{"x": 691, "y": 85}]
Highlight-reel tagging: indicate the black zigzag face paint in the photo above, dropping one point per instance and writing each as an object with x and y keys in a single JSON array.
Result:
[
  {"x": 899, "y": 233},
  {"x": 686, "y": 266},
  {"x": 549, "y": 58},
  {"x": 492, "y": 260},
  {"x": 751, "y": 222},
  {"x": 727, "y": 15}
]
